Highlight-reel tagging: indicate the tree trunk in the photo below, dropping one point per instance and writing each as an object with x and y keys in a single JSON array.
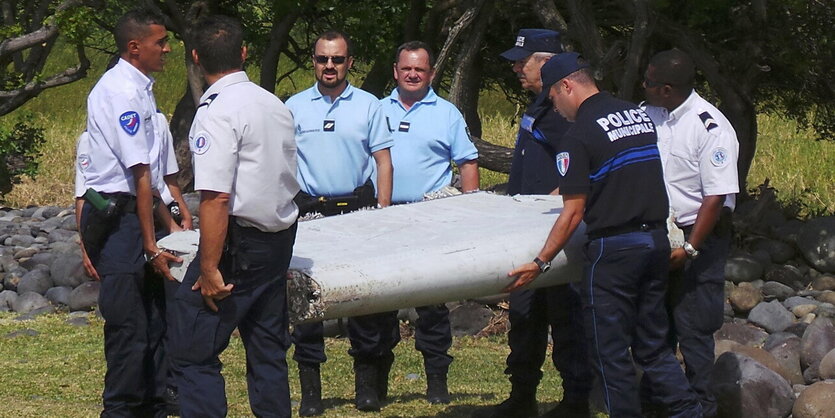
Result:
[
  {"x": 493, "y": 157},
  {"x": 378, "y": 76},
  {"x": 549, "y": 16},
  {"x": 283, "y": 21},
  {"x": 637, "y": 45}
]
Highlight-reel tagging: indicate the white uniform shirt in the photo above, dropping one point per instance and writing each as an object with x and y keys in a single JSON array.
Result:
[
  {"x": 699, "y": 153},
  {"x": 242, "y": 142},
  {"x": 166, "y": 164},
  {"x": 122, "y": 132}
]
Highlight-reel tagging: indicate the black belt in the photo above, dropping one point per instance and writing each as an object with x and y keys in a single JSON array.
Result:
[
  {"x": 126, "y": 202},
  {"x": 625, "y": 229}
]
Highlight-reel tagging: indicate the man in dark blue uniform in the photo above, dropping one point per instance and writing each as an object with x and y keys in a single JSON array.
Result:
[
  {"x": 609, "y": 159},
  {"x": 533, "y": 171}
]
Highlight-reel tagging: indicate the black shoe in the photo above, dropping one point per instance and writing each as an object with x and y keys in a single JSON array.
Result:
[
  {"x": 311, "y": 383},
  {"x": 567, "y": 409},
  {"x": 172, "y": 402},
  {"x": 365, "y": 385},
  {"x": 518, "y": 405},
  {"x": 383, "y": 370},
  {"x": 436, "y": 389}
]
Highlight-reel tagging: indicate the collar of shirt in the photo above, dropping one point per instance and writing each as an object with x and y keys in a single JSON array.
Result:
[
  {"x": 591, "y": 101},
  {"x": 315, "y": 94},
  {"x": 541, "y": 104},
  {"x": 133, "y": 73},
  {"x": 684, "y": 107},
  {"x": 430, "y": 97},
  {"x": 227, "y": 80}
]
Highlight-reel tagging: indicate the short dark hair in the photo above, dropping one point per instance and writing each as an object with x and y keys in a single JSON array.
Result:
[
  {"x": 674, "y": 67},
  {"x": 218, "y": 40},
  {"x": 331, "y": 35},
  {"x": 134, "y": 25},
  {"x": 414, "y": 46},
  {"x": 582, "y": 76}
]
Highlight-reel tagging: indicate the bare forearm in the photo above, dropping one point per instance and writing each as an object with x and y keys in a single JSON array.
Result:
[
  {"x": 385, "y": 174},
  {"x": 469, "y": 175},
  {"x": 561, "y": 232},
  {"x": 214, "y": 222},
  {"x": 706, "y": 219},
  {"x": 145, "y": 207}
]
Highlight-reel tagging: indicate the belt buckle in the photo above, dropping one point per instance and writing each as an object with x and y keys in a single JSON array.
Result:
[{"x": 645, "y": 227}]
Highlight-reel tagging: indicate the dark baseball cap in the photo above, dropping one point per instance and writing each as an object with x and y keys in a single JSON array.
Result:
[
  {"x": 560, "y": 66},
  {"x": 529, "y": 41}
]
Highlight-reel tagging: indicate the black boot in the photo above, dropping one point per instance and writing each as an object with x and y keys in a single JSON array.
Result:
[
  {"x": 436, "y": 389},
  {"x": 365, "y": 384},
  {"x": 311, "y": 383},
  {"x": 520, "y": 404},
  {"x": 383, "y": 370}
]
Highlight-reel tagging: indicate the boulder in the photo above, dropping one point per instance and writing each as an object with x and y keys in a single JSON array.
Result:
[
  {"x": 745, "y": 297},
  {"x": 818, "y": 340},
  {"x": 59, "y": 295},
  {"x": 44, "y": 310},
  {"x": 824, "y": 282},
  {"x": 827, "y": 297},
  {"x": 46, "y": 212},
  {"x": 789, "y": 231},
  {"x": 793, "y": 301},
  {"x": 25, "y": 253},
  {"x": 469, "y": 318},
  {"x": 28, "y": 302},
  {"x": 12, "y": 278},
  {"x": 69, "y": 223},
  {"x": 798, "y": 328},
  {"x": 37, "y": 281},
  {"x": 787, "y": 354},
  {"x": 20, "y": 240},
  {"x": 776, "y": 290},
  {"x": 67, "y": 270},
  {"x": 743, "y": 268},
  {"x": 741, "y": 333},
  {"x": 7, "y": 299},
  {"x": 779, "y": 252},
  {"x": 746, "y": 388},
  {"x": 816, "y": 243},
  {"x": 766, "y": 359},
  {"x": 788, "y": 275},
  {"x": 85, "y": 296},
  {"x": 826, "y": 369},
  {"x": 723, "y": 346},
  {"x": 816, "y": 401},
  {"x": 62, "y": 235},
  {"x": 771, "y": 316}
]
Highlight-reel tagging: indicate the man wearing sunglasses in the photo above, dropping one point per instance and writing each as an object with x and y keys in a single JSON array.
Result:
[
  {"x": 699, "y": 153},
  {"x": 340, "y": 130}
]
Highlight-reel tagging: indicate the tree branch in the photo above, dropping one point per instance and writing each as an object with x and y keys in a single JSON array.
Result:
[
  {"x": 462, "y": 23},
  {"x": 549, "y": 16}
]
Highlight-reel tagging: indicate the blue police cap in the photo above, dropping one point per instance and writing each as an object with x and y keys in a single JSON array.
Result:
[
  {"x": 559, "y": 66},
  {"x": 529, "y": 41}
]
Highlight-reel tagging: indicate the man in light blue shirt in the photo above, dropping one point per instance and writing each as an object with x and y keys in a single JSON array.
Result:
[
  {"x": 339, "y": 130},
  {"x": 428, "y": 132}
]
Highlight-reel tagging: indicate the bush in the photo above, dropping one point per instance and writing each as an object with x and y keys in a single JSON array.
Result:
[{"x": 19, "y": 148}]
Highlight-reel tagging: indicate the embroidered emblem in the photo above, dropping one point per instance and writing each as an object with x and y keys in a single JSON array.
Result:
[
  {"x": 83, "y": 162},
  {"x": 520, "y": 41},
  {"x": 719, "y": 157},
  {"x": 200, "y": 143},
  {"x": 328, "y": 125},
  {"x": 562, "y": 163},
  {"x": 404, "y": 126},
  {"x": 130, "y": 122}
]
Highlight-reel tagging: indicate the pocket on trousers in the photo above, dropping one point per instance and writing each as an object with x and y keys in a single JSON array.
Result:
[{"x": 195, "y": 329}]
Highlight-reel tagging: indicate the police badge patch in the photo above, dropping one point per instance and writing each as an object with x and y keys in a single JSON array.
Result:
[
  {"x": 129, "y": 121},
  {"x": 199, "y": 143},
  {"x": 562, "y": 163},
  {"x": 83, "y": 162},
  {"x": 719, "y": 157}
]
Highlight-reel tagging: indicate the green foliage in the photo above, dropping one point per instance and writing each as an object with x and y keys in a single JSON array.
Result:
[{"x": 19, "y": 148}]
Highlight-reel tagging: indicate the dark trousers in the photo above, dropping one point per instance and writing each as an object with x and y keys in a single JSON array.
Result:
[
  {"x": 622, "y": 293},
  {"x": 433, "y": 337},
  {"x": 531, "y": 313},
  {"x": 133, "y": 309},
  {"x": 256, "y": 263},
  {"x": 695, "y": 304}
]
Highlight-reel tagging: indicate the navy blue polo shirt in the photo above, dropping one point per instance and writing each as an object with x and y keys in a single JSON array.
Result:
[
  {"x": 611, "y": 155},
  {"x": 533, "y": 169}
]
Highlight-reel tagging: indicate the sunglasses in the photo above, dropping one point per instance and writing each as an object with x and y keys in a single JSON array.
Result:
[{"x": 323, "y": 59}]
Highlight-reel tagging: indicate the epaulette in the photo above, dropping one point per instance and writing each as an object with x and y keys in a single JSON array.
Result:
[
  {"x": 208, "y": 101},
  {"x": 708, "y": 121}
]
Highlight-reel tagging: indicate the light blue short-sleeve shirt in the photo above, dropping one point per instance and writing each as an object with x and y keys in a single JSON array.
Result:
[
  {"x": 426, "y": 138},
  {"x": 336, "y": 138}
]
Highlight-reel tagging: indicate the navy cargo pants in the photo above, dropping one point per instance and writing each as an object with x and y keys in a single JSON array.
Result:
[
  {"x": 256, "y": 263},
  {"x": 622, "y": 293},
  {"x": 531, "y": 312}
]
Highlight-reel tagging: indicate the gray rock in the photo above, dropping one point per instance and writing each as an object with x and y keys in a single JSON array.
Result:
[
  {"x": 26, "y": 332},
  {"x": 7, "y": 262},
  {"x": 78, "y": 321},
  {"x": 741, "y": 333},
  {"x": 789, "y": 231},
  {"x": 44, "y": 310},
  {"x": 193, "y": 202},
  {"x": 743, "y": 268},
  {"x": 28, "y": 212},
  {"x": 12, "y": 278},
  {"x": 727, "y": 310},
  {"x": 767, "y": 359},
  {"x": 788, "y": 275},
  {"x": 84, "y": 297},
  {"x": 25, "y": 253},
  {"x": 69, "y": 223},
  {"x": 59, "y": 295},
  {"x": 62, "y": 235},
  {"x": 41, "y": 241},
  {"x": 42, "y": 258},
  {"x": 824, "y": 282},
  {"x": 817, "y": 243},
  {"x": 797, "y": 328},
  {"x": 28, "y": 302},
  {"x": 37, "y": 281},
  {"x": 818, "y": 340},
  {"x": 787, "y": 354},
  {"x": 801, "y": 311},
  {"x": 745, "y": 297},
  {"x": 65, "y": 248},
  {"x": 51, "y": 224},
  {"x": 779, "y": 252},
  {"x": 778, "y": 338},
  {"x": 20, "y": 240},
  {"x": 776, "y": 290},
  {"x": 47, "y": 212},
  {"x": 816, "y": 401},
  {"x": 746, "y": 388},
  {"x": 793, "y": 301},
  {"x": 67, "y": 270},
  {"x": 826, "y": 369},
  {"x": 810, "y": 375},
  {"x": 469, "y": 319},
  {"x": 771, "y": 316},
  {"x": 762, "y": 257},
  {"x": 7, "y": 299}
]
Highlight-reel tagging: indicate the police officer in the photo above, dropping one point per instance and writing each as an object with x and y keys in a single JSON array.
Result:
[
  {"x": 428, "y": 132},
  {"x": 340, "y": 129},
  {"x": 244, "y": 167},
  {"x": 533, "y": 171},
  {"x": 607, "y": 159},
  {"x": 119, "y": 176},
  {"x": 699, "y": 151}
]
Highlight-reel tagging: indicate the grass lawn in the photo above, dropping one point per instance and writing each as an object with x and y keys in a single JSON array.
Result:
[{"x": 59, "y": 373}]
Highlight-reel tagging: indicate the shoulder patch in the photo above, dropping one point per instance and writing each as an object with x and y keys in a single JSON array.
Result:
[
  {"x": 83, "y": 162},
  {"x": 562, "y": 162},
  {"x": 708, "y": 121},
  {"x": 719, "y": 157},
  {"x": 129, "y": 121},
  {"x": 200, "y": 143},
  {"x": 208, "y": 101}
]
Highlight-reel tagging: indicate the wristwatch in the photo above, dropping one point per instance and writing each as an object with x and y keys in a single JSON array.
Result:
[
  {"x": 692, "y": 252},
  {"x": 543, "y": 265}
]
